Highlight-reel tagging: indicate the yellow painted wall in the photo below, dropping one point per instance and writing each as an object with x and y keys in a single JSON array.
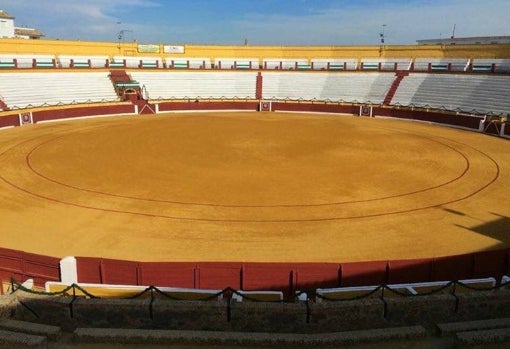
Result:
[{"x": 90, "y": 48}]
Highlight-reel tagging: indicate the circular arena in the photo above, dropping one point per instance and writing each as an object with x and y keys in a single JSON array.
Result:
[{"x": 252, "y": 187}]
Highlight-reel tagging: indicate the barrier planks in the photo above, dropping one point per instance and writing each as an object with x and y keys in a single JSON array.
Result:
[
  {"x": 364, "y": 273},
  {"x": 489, "y": 264},
  {"x": 219, "y": 275},
  {"x": 267, "y": 276},
  {"x": 119, "y": 272},
  {"x": 167, "y": 274},
  {"x": 452, "y": 268},
  {"x": 316, "y": 275},
  {"x": 21, "y": 266},
  {"x": 409, "y": 271}
]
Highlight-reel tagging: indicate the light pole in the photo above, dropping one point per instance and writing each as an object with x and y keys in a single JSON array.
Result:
[
  {"x": 381, "y": 35},
  {"x": 121, "y": 36}
]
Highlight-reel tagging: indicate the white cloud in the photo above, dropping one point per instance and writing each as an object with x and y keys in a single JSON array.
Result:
[
  {"x": 87, "y": 19},
  {"x": 405, "y": 23}
]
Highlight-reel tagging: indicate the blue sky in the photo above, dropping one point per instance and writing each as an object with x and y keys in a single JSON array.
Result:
[{"x": 261, "y": 22}]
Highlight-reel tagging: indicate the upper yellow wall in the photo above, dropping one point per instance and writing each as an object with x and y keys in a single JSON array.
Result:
[{"x": 90, "y": 48}]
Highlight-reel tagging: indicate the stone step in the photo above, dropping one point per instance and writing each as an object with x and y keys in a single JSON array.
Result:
[
  {"x": 51, "y": 332},
  {"x": 454, "y": 327},
  {"x": 494, "y": 336},
  {"x": 136, "y": 336},
  {"x": 11, "y": 339}
]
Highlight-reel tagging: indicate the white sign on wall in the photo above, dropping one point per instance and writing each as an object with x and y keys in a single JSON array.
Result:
[{"x": 173, "y": 49}]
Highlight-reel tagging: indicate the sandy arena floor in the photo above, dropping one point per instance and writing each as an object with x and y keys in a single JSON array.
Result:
[{"x": 270, "y": 187}]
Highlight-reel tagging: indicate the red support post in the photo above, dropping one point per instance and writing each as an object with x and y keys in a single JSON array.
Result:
[{"x": 259, "y": 86}]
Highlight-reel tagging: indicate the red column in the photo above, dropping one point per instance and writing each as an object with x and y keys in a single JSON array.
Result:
[{"x": 258, "y": 86}]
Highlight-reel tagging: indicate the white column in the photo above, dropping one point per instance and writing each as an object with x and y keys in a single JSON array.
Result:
[
  {"x": 68, "y": 270},
  {"x": 481, "y": 125}
]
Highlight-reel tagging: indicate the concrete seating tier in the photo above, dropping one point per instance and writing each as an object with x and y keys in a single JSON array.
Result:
[
  {"x": 469, "y": 93},
  {"x": 346, "y": 87},
  {"x": 197, "y": 85},
  {"x": 23, "y": 89}
]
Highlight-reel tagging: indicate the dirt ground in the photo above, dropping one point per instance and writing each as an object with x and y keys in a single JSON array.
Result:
[{"x": 272, "y": 187}]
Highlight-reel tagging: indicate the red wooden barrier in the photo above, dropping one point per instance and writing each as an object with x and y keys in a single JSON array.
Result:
[
  {"x": 41, "y": 268},
  {"x": 364, "y": 273},
  {"x": 167, "y": 274},
  {"x": 314, "y": 275},
  {"x": 119, "y": 272},
  {"x": 9, "y": 120},
  {"x": 408, "y": 271},
  {"x": 287, "y": 277},
  {"x": 22, "y": 266},
  {"x": 219, "y": 275},
  {"x": 316, "y": 107},
  {"x": 489, "y": 263},
  {"x": 472, "y": 122},
  {"x": 89, "y": 270},
  {"x": 267, "y": 276},
  {"x": 192, "y": 105},
  {"x": 452, "y": 268},
  {"x": 55, "y": 114},
  {"x": 11, "y": 260}
]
